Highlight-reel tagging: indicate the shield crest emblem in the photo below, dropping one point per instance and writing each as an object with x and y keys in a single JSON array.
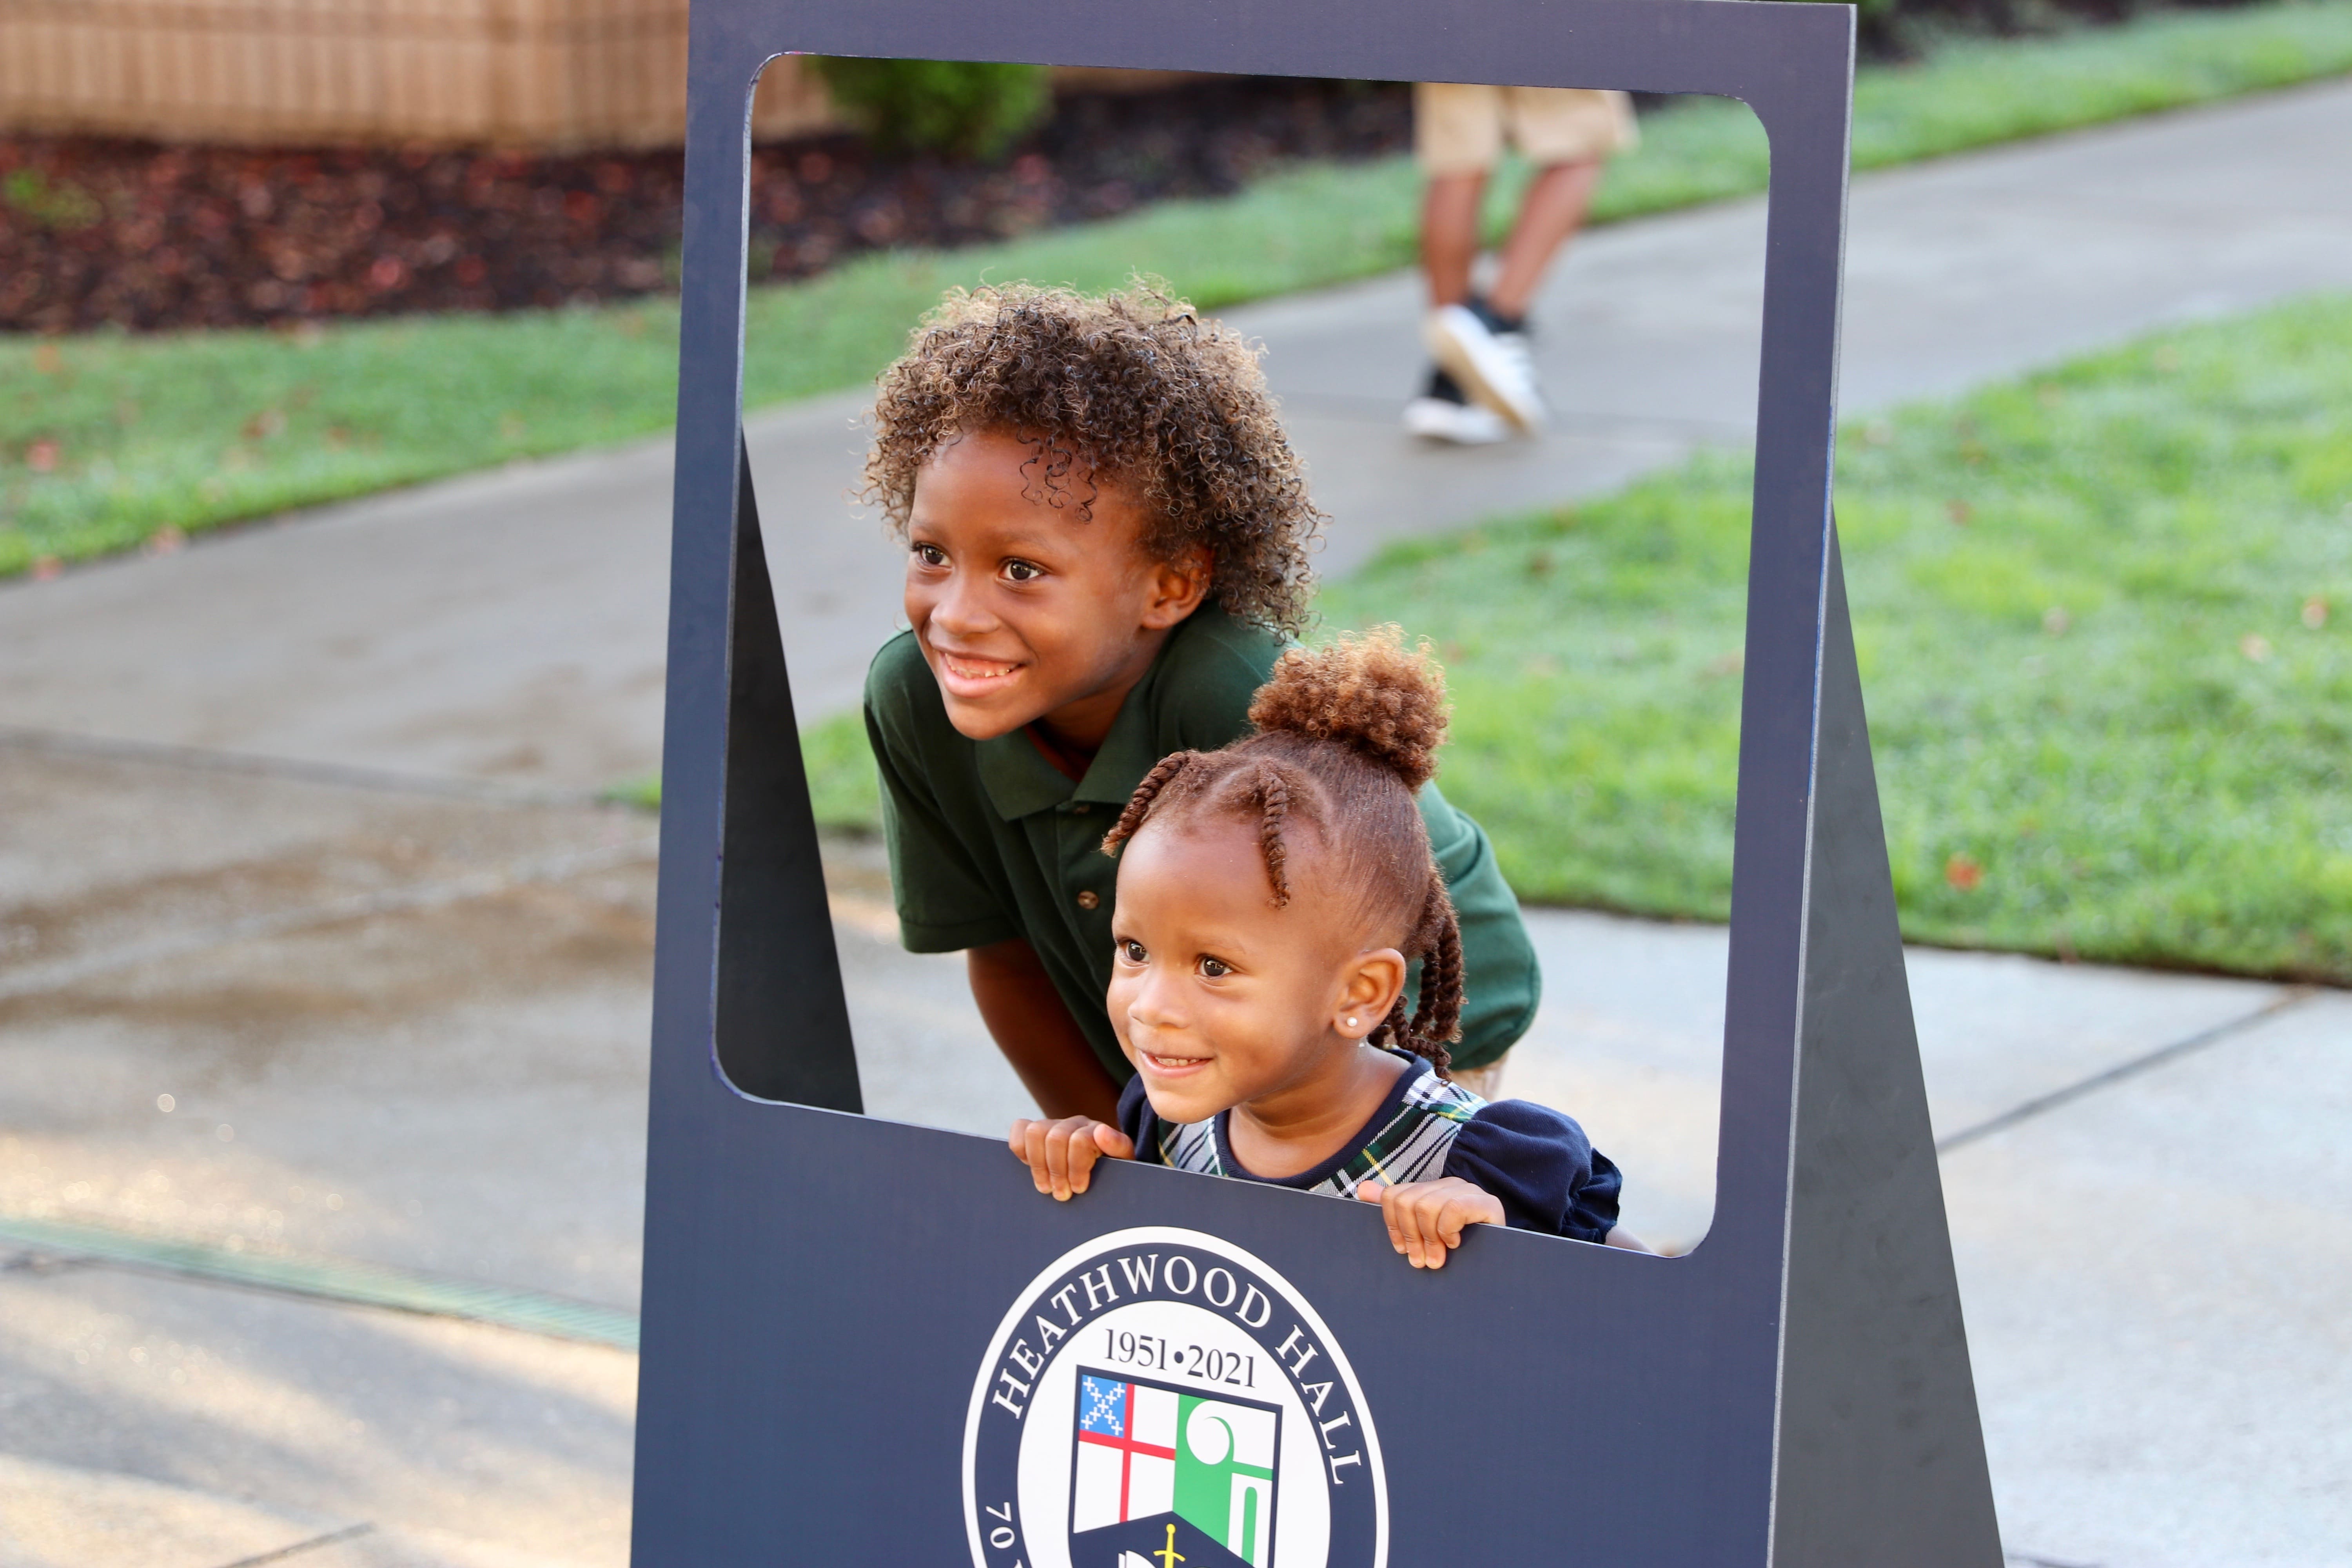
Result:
[{"x": 1168, "y": 1478}]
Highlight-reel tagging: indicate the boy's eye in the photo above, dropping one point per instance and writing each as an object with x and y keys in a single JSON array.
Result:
[
  {"x": 1023, "y": 571},
  {"x": 1134, "y": 952},
  {"x": 1215, "y": 968},
  {"x": 930, "y": 555}
]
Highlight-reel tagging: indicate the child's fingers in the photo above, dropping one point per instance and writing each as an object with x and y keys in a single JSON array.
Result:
[
  {"x": 1083, "y": 1154},
  {"x": 1092, "y": 1141},
  {"x": 1070, "y": 1153},
  {"x": 1035, "y": 1137},
  {"x": 1060, "y": 1154},
  {"x": 1484, "y": 1207},
  {"x": 1380, "y": 1193},
  {"x": 1426, "y": 1218},
  {"x": 1058, "y": 1160},
  {"x": 1450, "y": 1218},
  {"x": 1429, "y": 1212},
  {"x": 1462, "y": 1205},
  {"x": 1442, "y": 1215},
  {"x": 1401, "y": 1208}
]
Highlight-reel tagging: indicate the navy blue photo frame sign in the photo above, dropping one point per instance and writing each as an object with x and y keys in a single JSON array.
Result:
[{"x": 871, "y": 1343}]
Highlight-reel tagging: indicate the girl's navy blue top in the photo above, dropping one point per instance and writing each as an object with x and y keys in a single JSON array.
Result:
[{"x": 1538, "y": 1162}]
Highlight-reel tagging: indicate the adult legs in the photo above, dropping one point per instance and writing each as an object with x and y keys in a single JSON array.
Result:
[
  {"x": 1484, "y": 383},
  {"x": 1449, "y": 248},
  {"x": 1550, "y": 215},
  {"x": 1449, "y": 235},
  {"x": 1480, "y": 344}
]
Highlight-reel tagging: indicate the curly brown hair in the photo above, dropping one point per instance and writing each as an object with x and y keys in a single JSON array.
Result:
[
  {"x": 1131, "y": 386},
  {"x": 1347, "y": 734}
]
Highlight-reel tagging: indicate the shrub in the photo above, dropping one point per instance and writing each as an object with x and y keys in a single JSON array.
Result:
[{"x": 965, "y": 109}]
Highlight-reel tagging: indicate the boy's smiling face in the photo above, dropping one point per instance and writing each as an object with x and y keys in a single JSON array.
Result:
[
  {"x": 1220, "y": 998},
  {"x": 1030, "y": 613}
]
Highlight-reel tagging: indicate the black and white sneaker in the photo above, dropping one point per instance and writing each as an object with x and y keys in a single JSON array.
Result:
[
  {"x": 1442, "y": 414},
  {"x": 1490, "y": 357}
]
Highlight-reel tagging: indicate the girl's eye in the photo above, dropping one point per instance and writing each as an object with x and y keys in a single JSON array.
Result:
[
  {"x": 1215, "y": 968},
  {"x": 930, "y": 555},
  {"x": 1023, "y": 571},
  {"x": 1134, "y": 952}
]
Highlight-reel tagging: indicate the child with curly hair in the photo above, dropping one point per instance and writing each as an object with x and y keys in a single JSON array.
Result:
[
  {"x": 1107, "y": 536},
  {"x": 1271, "y": 895}
]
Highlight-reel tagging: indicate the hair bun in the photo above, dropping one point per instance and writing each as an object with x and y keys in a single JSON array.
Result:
[{"x": 1369, "y": 693}]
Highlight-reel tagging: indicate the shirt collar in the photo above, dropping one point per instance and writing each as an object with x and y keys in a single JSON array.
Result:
[
  {"x": 1416, "y": 1068},
  {"x": 1018, "y": 778}
]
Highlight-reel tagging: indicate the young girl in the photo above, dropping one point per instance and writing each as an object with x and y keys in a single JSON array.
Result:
[{"x": 1272, "y": 896}]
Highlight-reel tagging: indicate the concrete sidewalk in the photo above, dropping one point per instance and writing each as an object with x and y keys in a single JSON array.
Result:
[
  {"x": 511, "y": 625},
  {"x": 2151, "y": 1201},
  {"x": 400, "y": 1021}
]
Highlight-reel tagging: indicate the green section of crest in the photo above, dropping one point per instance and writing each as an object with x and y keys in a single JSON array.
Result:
[{"x": 1229, "y": 1500}]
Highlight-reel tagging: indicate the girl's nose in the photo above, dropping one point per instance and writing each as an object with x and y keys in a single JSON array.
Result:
[{"x": 1150, "y": 1008}]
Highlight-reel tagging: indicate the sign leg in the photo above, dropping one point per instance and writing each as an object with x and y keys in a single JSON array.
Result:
[{"x": 1881, "y": 1457}]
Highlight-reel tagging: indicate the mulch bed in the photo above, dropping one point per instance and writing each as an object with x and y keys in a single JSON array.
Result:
[{"x": 107, "y": 233}]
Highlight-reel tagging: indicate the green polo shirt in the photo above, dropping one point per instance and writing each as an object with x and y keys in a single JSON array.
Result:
[{"x": 988, "y": 840}]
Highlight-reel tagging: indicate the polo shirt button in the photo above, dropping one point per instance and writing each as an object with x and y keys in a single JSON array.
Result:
[{"x": 1089, "y": 900}]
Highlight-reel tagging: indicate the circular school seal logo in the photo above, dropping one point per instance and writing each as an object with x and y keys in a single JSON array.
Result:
[{"x": 1159, "y": 1398}]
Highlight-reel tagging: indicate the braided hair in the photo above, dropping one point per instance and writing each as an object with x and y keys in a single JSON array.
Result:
[{"x": 1346, "y": 736}]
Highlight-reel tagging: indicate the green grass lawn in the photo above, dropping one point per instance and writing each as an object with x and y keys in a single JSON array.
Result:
[
  {"x": 107, "y": 440},
  {"x": 2104, "y": 622}
]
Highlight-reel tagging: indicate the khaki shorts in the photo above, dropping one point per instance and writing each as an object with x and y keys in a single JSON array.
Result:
[{"x": 1459, "y": 128}]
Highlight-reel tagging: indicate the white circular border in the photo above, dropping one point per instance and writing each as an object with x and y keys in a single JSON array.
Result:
[{"x": 1110, "y": 1241}]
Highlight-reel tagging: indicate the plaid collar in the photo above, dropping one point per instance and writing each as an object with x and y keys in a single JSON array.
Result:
[{"x": 1406, "y": 1139}]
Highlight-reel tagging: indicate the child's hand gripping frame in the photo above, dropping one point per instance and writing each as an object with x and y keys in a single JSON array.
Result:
[{"x": 820, "y": 1288}]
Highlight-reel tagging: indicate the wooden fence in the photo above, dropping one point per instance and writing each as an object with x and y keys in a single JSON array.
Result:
[
  {"x": 543, "y": 74},
  {"x": 526, "y": 73}
]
